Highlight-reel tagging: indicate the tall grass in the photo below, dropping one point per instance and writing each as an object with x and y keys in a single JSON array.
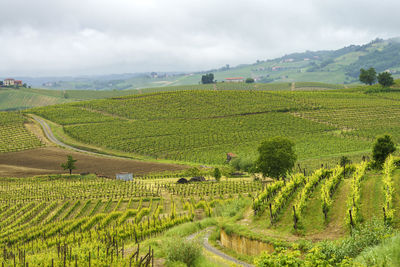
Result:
[{"x": 385, "y": 254}]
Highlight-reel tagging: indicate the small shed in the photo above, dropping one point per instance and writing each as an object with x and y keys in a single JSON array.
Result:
[{"x": 125, "y": 176}]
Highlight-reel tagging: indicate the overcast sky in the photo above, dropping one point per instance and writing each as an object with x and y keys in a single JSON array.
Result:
[{"x": 79, "y": 37}]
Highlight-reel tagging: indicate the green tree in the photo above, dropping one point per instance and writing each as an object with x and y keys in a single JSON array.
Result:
[
  {"x": 367, "y": 76},
  {"x": 343, "y": 162},
  {"x": 385, "y": 79},
  {"x": 207, "y": 78},
  {"x": 249, "y": 80},
  {"x": 69, "y": 165},
  {"x": 382, "y": 148},
  {"x": 276, "y": 157},
  {"x": 217, "y": 174}
]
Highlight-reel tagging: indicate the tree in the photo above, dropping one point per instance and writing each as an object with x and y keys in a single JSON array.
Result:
[
  {"x": 249, "y": 80},
  {"x": 343, "y": 162},
  {"x": 208, "y": 78},
  {"x": 69, "y": 165},
  {"x": 382, "y": 148},
  {"x": 276, "y": 157},
  {"x": 217, "y": 174},
  {"x": 385, "y": 79},
  {"x": 367, "y": 76}
]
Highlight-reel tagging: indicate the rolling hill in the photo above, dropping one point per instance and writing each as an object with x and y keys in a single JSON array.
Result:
[
  {"x": 340, "y": 66},
  {"x": 203, "y": 125}
]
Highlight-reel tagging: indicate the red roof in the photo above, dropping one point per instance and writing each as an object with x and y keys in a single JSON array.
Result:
[
  {"x": 234, "y": 78},
  {"x": 9, "y": 79}
]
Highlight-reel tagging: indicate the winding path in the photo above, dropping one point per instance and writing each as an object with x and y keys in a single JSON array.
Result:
[
  {"x": 49, "y": 134},
  {"x": 215, "y": 251}
]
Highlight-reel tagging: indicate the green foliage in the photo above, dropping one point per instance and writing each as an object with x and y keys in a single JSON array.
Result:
[
  {"x": 385, "y": 79},
  {"x": 385, "y": 254},
  {"x": 354, "y": 199},
  {"x": 217, "y": 174},
  {"x": 192, "y": 172},
  {"x": 207, "y": 78},
  {"x": 244, "y": 164},
  {"x": 370, "y": 234},
  {"x": 329, "y": 188},
  {"x": 181, "y": 250},
  {"x": 249, "y": 80},
  {"x": 232, "y": 208},
  {"x": 388, "y": 188},
  {"x": 284, "y": 257},
  {"x": 70, "y": 164},
  {"x": 382, "y": 148},
  {"x": 276, "y": 157},
  {"x": 344, "y": 161},
  {"x": 330, "y": 253},
  {"x": 13, "y": 135},
  {"x": 367, "y": 76}
]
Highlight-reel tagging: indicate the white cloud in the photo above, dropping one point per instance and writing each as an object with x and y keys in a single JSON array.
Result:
[{"x": 72, "y": 37}]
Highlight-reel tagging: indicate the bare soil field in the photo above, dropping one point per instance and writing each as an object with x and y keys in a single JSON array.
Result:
[{"x": 47, "y": 160}]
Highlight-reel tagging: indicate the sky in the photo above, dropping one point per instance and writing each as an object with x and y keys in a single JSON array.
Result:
[{"x": 86, "y": 37}]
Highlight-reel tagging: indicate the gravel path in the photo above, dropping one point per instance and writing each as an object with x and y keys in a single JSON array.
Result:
[
  {"x": 215, "y": 251},
  {"x": 49, "y": 134}
]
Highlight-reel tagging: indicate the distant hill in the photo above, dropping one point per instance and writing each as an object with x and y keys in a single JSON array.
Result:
[
  {"x": 340, "y": 66},
  {"x": 17, "y": 99}
]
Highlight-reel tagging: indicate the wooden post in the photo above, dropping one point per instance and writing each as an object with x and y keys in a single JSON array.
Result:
[
  {"x": 384, "y": 214},
  {"x": 294, "y": 218},
  {"x": 152, "y": 257},
  {"x": 351, "y": 221},
  {"x": 89, "y": 258},
  {"x": 270, "y": 213}
]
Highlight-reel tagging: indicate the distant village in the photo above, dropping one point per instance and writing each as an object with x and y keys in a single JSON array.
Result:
[{"x": 12, "y": 83}]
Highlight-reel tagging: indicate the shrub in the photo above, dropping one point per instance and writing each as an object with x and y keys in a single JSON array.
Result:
[
  {"x": 244, "y": 164},
  {"x": 181, "y": 250}
]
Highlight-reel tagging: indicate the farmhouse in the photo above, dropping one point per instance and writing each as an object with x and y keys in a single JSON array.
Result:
[
  {"x": 12, "y": 82},
  {"x": 234, "y": 79},
  {"x": 9, "y": 82}
]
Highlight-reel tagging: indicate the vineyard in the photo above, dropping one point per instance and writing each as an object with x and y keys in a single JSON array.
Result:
[
  {"x": 201, "y": 126},
  {"x": 76, "y": 220},
  {"x": 50, "y": 220},
  {"x": 14, "y": 136}
]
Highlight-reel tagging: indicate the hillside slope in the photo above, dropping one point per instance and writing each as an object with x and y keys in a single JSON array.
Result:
[{"x": 203, "y": 125}]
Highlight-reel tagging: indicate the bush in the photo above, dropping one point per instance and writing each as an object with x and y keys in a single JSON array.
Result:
[
  {"x": 370, "y": 234},
  {"x": 182, "y": 251},
  {"x": 243, "y": 164},
  {"x": 386, "y": 254}
]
